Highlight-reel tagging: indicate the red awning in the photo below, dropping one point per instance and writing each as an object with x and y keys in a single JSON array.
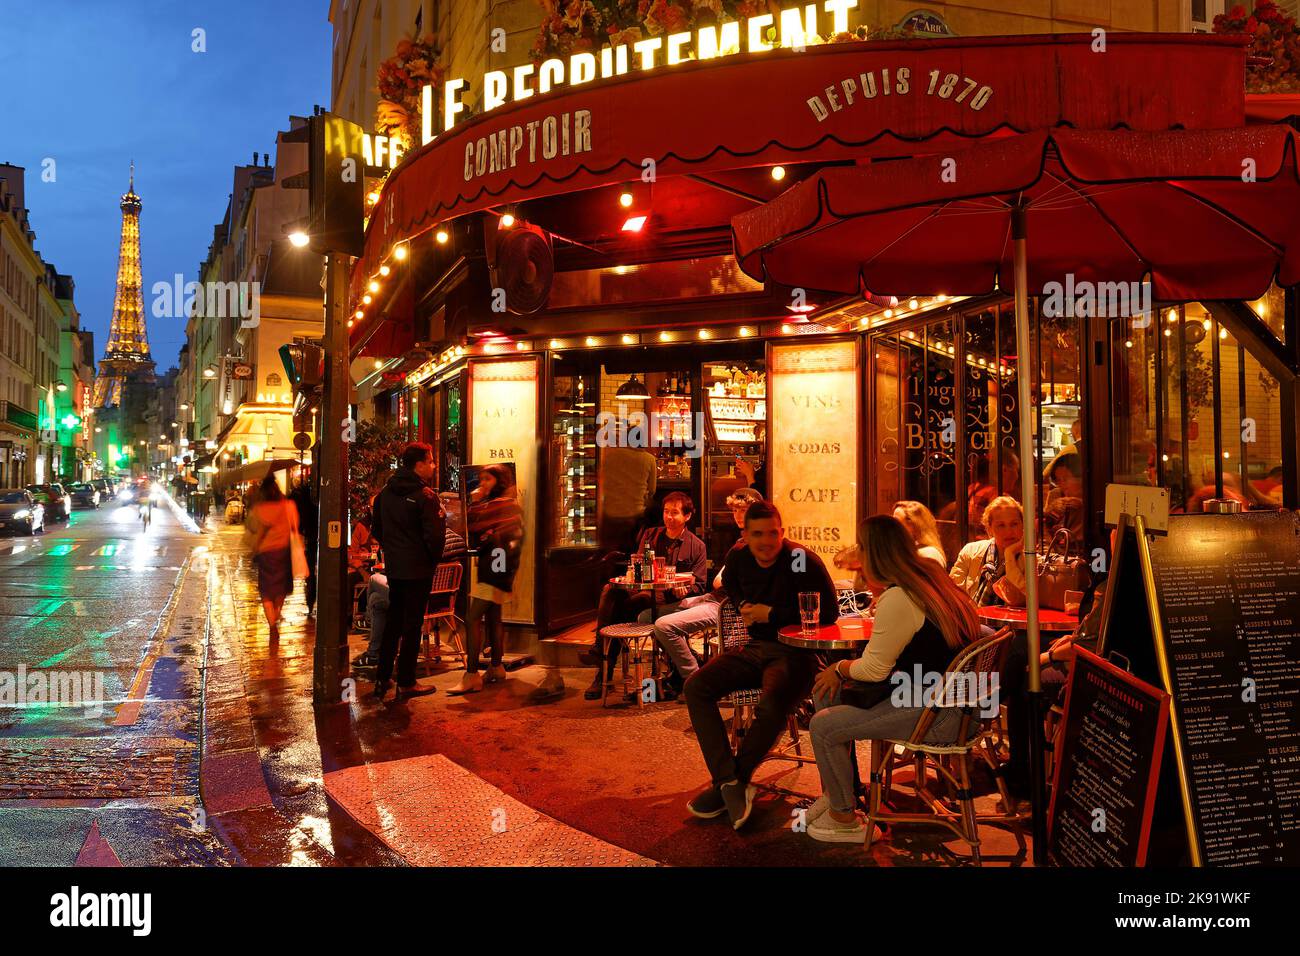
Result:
[
  {"x": 1105, "y": 206},
  {"x": 843, "y": 101}
]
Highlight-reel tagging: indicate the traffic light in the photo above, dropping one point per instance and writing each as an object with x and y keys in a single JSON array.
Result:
[
  {"x": 304, "y": 364},
  {"x": 337, "y": 184}
]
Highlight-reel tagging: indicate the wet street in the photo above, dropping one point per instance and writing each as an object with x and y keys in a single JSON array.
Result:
[{"x": 108, "y": 618}]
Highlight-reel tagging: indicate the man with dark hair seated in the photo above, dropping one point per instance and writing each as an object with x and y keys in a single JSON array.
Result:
[
  {"x": 763, "y": 581},
  {"x": 684, "y": 552}
]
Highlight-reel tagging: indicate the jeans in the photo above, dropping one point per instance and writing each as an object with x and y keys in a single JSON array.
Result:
[
  {"x": 483, "y": 613},
  {"x": 673, "y": 631},
  {"x": 836, "y": 726},
  {"x": 408, "y": 599},
  {"x": 1015, "y": 693},
  {"x": 376, "y": 610},
  {"x": 785, "y": 675}
]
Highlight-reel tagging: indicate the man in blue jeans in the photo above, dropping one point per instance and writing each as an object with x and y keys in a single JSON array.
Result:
[{"x": 764, "y": 581}]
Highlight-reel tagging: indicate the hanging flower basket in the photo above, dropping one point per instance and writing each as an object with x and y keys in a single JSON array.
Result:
[{"x": 399, "y": 81}]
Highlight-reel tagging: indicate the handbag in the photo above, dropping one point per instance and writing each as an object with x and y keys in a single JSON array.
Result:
[
  {"x": 297, "y": 551},
  {"x": 1058, "y": 574}
]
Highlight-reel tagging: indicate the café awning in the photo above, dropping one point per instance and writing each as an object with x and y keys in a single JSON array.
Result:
[
  {"x": 1207, "y": 214},
  {"x": 835, "y": 103}
]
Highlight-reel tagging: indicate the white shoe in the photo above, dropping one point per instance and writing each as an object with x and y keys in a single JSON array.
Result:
[
  {"x": 494, "y": 674},
  {"x": 829, "y": 830},
  {"x": 469, "y": 684},
  {"x": 820, "y": 806}
]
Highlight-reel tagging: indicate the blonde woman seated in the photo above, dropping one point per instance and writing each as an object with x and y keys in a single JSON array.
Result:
[
  {"x": 920, "y": 524},
  {"x": 992, "y": 571},
  {"x": 922, "y": 621}
]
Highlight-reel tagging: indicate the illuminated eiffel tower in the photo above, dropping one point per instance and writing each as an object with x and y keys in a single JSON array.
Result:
[{"x": 126, "y": 358}]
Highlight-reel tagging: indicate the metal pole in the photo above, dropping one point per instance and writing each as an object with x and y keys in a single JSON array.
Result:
[
  {"x": 332, "y": 600},
  {"x": 1028, "y": 488}
]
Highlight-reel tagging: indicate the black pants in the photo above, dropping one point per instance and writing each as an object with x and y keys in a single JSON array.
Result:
[
  {"x": 483, "y": 615},
  {"x": 407, "y": 600},
  {"x": 785, "y": 675},
  {"x": 1014, "y": 688},
  {"x": 309, "y": 546}
]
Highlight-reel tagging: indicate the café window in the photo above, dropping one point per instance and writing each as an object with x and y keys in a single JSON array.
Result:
[
  {"x": 1195, "y": 412},
  {"x": 945, "y": 419}
]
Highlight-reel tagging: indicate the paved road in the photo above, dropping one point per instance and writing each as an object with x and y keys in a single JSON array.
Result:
[{"x": 103, "y": 607}]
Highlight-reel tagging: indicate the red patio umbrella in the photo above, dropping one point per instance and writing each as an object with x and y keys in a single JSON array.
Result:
[{"x": 1203, "y": 214}]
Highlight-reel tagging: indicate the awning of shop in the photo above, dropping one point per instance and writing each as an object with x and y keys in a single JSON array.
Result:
[
  {"x": 1104, "y": 207},
  {"x": 834, "y": 103}
]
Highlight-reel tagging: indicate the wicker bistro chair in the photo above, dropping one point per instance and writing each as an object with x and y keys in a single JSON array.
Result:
[
  {"x": 733, "y": 634},
  {"x": 951, "y": 763},
  {"x": 442, "y": 609}
]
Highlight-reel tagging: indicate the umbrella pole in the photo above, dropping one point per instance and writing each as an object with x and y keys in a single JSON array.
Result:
[{"x": 1028, "y": 489}]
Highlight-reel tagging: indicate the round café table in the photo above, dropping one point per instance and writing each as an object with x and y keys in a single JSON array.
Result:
[
  {"x": 1049, "y": 621},
  {"x": 679, "y": 579}
]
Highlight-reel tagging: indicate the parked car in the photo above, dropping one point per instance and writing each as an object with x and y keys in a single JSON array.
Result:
[
  {"x": 58, "y": 506},
  {"x": 20, "y": 511},
  {"x": 84, "y": 494}
]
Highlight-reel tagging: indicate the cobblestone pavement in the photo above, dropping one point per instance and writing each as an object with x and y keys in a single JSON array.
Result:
[{"x": 115, "y": 617}]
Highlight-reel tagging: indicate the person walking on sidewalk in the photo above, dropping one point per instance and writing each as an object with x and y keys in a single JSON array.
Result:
[
  {"x": 411, "y": 527},
  {"x": 496, "y": 519},
  {"x": 273, "y": 523},
  {"x": 764, "y": 582},
  {"x": 308, "y": 521}
]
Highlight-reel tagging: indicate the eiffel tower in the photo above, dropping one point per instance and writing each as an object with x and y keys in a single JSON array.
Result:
[{"x": 126, "y": 358}]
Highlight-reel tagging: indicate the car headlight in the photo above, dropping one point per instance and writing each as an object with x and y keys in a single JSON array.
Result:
[{"x": 20, "y": 515}]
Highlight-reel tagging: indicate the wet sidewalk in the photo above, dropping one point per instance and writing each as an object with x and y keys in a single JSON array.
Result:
[{"x": 485, "y": 779}]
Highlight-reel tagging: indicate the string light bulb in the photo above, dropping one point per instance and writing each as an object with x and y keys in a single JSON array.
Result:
[{"x": 399, "y": 252}]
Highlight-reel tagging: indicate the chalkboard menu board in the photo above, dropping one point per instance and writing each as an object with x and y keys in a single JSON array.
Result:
[
  {"x": 1228, "y": 589},
  {"x": 1112, "y": 738}
]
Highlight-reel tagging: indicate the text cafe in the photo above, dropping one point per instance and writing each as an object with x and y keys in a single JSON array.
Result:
[{"x": 562, "y": 294}]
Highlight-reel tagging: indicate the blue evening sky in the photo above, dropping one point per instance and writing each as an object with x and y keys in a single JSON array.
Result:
[{"x": 94, "y": 84}]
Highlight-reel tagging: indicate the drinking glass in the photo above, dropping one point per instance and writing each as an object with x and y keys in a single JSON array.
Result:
[
  {"x": 661, "y": 570},
  {"x": 1072, "y": 601},
  {"x": 810, "y": 606}
]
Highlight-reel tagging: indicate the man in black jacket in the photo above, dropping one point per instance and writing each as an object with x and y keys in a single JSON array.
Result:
[
  {"x": 411, "y": 527},
  {"x": 764, "y": 580}
]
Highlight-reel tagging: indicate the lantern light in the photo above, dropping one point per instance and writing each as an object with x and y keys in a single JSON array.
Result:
[
  {"x": 778, "y": 173},
  {"x": 298, "y": 238}
]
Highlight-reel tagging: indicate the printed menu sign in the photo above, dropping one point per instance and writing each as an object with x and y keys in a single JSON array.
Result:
[
  {"x": 1108, "y": 764},
  {"x": 1229, "y": 593},
  {"x": 813, "y": 389}
]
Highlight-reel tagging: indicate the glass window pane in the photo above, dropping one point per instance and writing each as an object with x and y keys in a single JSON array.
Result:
[
  {"x": 1252, "y": 428},
  {"x": 889, "y": 445},
  {"x": 1133, "y": 402},
  {"x": 1195, "y": 372},
  {"x": 941, "y": 430},
  {"x": 984, "y": 397}
]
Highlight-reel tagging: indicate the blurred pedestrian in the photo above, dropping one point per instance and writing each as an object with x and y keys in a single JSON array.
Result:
[
  {"x": 309, "y": 518},
  {"x": 273, "y": 523}
]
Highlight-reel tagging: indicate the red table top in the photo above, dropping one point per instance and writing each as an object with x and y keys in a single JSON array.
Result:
[
  {"x": 831, "y": 637},
  {"x": 1018, "y": 617}
]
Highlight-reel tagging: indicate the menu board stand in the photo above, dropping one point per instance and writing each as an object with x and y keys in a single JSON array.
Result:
[{"x": 1212, "y": 614}]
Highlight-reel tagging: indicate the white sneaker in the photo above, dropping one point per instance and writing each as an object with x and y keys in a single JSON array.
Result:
[
  {"x": 819, "y": 806},
  {"x": 469, "y": 684},
  {"x": 829, "y": 830}
]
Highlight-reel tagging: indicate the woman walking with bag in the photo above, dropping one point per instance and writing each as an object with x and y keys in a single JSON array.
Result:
[
  {"x": 274, "y": 537},
  {"x": 496, "y": 519}
]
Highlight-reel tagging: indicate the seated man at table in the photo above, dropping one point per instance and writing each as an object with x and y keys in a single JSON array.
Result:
[
  {"x": 764, "y": 581},
  {"x": 619, "y": 604},
  {"x": 673, "y": 631}
]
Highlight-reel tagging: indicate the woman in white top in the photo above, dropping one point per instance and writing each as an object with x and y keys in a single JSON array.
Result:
[
  {"x": 920, "y": 524},
  {"x": 994, "y": 568},
  {"x": 922, "y": 620}
]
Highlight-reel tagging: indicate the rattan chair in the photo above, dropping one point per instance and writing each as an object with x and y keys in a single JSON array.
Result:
[
  {"x": 442, "y": 608},
  {"x": 733, "y": 634},
  {"x": 951, "y": 763},
  {"x": 638, "y": 645}
]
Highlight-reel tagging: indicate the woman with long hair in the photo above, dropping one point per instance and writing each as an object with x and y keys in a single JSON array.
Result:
[
  {"x": 495, "y": 518},
  {"x": 922, "y": 620},
  {"x": 924, "y": 530},
  {"x": 274, "y": 522}
]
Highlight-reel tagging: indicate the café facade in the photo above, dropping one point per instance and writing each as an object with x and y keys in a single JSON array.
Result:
[{"x": 557, "y": 273}]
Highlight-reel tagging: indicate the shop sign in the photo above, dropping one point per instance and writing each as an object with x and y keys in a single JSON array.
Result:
[
  {"x": 814, "y": 436},
  {"x": 926, "y": 23},
  {"x": 793, "y": 26},
  {"x": 240, "y": 371}
]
